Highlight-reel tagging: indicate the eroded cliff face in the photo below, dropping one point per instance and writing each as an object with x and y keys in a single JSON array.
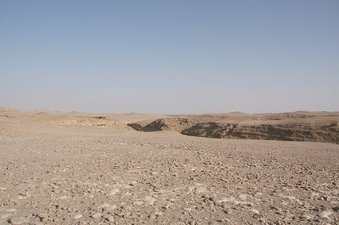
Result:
[
  {"x": 286, "y": 127},
  {"x": 265, "y": 132}
]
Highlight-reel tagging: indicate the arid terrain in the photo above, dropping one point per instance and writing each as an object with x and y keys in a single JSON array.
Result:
[{"x": 77, "y": 168}]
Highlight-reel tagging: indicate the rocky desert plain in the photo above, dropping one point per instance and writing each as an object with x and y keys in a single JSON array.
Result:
[{"x": 232, "y": 168}]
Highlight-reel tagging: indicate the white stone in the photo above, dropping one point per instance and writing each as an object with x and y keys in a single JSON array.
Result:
[
  {"x": 18, "y": 220},
  {"x": 103, "y": 206},
  {"x": 242, "y": 197},
  {"x": 255, "y": 211},
  {"x": 110, "y": 218},
  {"x": 149, "y": 200},
  {"x": 5, "y": 216},
  {"x": 77, "y": 216},
  {"x": 114, "y": 191},
  {"x": 96, "y": 215},
  {"x": 10, "y": 210},
  {"x": 326, "y": 214}
]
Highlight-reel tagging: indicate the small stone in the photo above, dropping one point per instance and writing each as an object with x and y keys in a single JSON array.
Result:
[
  {"x": 109, "y": 218},
  {"x": 133, "y": 183},
  {"x": 246, "y": 203},
  {"x": 18, "y": 220},
  {"x": 104, "y": 206},
  {"x": 334, "y": 202},
  {"x": 197, "y": 189},
  {"x": 5, "y": 216},
  {"x": 152, "y": 217},
  {"x": 192, "y": 222},
  {"x": 326, "y": 214},
  {"x": 254, "y": 211},
  {"x": 137, "y": 203},
  {"x": 10, "y": 210},
  {"x": 22, "y": 196},
  {"x": 243, "y": 197},
  {"x": 228, "y": 199},
  {"x": 63, "y": 197},
  {"x": 275, "y": 208},
  {"x": 41, "y": 216},
  {"x": 228, "y": 211},
  {"x": 96, "y": 215},
  {"x": 149, "y": 200},
  {"x": 167, "y": 206},
  {"x": 77, "y": 216},
  {"x": 114, "y": 191},
  {"x": 307, "y": 216},
  {"x": 111, "y": 208}
]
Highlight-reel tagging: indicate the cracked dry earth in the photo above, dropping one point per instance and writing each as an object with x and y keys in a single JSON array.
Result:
[{"x": 87, "y": 175}]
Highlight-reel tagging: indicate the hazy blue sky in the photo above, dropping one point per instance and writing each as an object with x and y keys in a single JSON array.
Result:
[{"x": 170, "y": 56}]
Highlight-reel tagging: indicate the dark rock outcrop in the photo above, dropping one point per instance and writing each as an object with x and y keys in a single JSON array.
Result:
[
  {"x": 173, "y": 124},
  {"x": 135, "y": 126},
  {"x": 264, "y": 132},
  {"x": 156, "y": 125}
]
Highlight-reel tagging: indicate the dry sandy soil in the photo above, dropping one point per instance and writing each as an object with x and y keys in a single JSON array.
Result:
[{"x": 59, "y": 168}]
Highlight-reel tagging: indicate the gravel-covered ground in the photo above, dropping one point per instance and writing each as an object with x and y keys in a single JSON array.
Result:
[{"x": 89, "y": 175}]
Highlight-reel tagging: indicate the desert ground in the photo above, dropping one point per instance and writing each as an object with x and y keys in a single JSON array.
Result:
[{"x": 78, "y": 168}]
